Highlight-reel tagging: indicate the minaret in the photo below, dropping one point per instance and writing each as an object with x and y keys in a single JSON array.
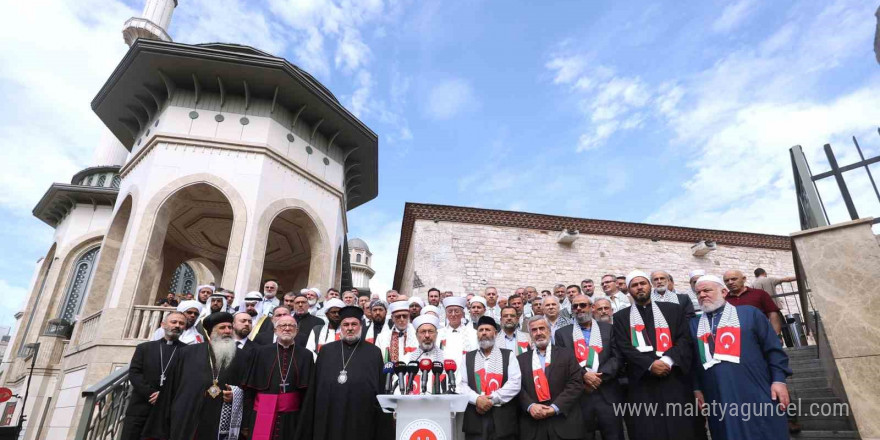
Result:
[{"x": 152, "y": 24}]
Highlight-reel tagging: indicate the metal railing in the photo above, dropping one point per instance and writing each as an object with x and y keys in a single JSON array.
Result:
[
  {"x": 104, "y": 410},
  {"x": 144, "y": 320},
  {"x": 810, "y": 205}
]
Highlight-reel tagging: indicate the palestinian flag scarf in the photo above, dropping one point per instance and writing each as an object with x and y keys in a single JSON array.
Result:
[
  {"x": 488, "y": 371},
  {"x": 542, "y": 387},
  {"x": 587, "y": 352},
  {"x": 668, "y": 297},
  {"x": 727, "y": 338},
  {"x": 662, "y": 334}
]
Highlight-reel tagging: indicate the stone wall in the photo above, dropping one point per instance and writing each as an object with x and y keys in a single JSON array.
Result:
[{"x": 466, "y": 258}]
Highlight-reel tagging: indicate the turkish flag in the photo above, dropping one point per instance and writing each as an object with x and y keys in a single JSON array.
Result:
[
  {"x": 664, "y": 338},
  {"x": 580, "y": 350},
  {"x": 542, "y": 387},
  {"x": 490, "y": 382},
  {"x": 728, "y": 341}
]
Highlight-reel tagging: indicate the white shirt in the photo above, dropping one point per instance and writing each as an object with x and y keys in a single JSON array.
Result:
[
  {"x": 267, "y": 305},
  {"x": 494, "y": 312},
  {"x": 619, "y": 301},
  {"x": 457, "y": 341},
  {"x": 502, "y": 395}
]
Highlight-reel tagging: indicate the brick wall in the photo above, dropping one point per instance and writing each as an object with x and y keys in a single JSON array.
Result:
[{"x": 466, "y": 258}]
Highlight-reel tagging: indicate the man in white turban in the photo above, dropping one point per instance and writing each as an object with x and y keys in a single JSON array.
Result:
[{"x": 190, "y": 335}]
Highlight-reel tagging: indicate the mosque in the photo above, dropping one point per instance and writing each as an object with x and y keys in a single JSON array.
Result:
[{"x": 221, "y": 164}]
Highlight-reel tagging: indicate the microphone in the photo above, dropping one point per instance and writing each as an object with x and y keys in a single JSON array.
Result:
[
  {"x": 425, "y": 365},
  {"x": 450, "y": 367},
  {"x": 400, "y": 370},
  {"x": 437, "y": 369},
  {"x": 388, "y": 371},
  {"x": 412, "y": 368}
]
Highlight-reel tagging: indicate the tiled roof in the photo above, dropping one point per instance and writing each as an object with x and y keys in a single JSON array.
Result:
[{"x": 494, "y": 217}]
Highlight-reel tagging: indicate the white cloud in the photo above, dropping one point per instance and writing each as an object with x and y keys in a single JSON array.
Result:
[
  {"x": 448, "y": 98},
  {"x": 734, "y": 15},
  {"x": 382, "y": 235}
]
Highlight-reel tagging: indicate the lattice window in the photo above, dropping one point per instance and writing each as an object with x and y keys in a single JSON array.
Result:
[
  {"x": 101, "y": 180},
  {"x": 183, "y": 280},
  {"x": 116, "y": 181},
  {"x": 79, "y": 282}
]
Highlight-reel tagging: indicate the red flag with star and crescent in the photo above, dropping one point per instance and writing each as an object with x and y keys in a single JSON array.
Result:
[
  {"x": 664, "y": 339},
  {"x": 727, "y": 342},
  {"x": 488, "y": 383}
]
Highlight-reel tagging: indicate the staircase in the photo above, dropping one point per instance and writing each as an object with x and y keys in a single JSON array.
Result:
[{"x": 810, "y": 384}]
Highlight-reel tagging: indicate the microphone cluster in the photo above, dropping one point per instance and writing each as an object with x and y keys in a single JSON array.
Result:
[{"x": 406, "y": 376}]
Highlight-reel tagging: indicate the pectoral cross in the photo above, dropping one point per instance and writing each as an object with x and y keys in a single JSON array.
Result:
[
  {"x": 284, "y": 386},
  {"x": 162, "y": 380}
]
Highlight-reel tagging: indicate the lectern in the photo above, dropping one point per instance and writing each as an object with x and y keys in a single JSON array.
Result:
[{"x": 424, "y": 417}]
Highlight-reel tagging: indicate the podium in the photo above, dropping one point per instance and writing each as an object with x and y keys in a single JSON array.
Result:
[{"x": 424, "y": 417}]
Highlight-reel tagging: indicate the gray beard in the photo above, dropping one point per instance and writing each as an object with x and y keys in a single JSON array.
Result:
[
  {"x": 351, "y": 339},
  {"x": 712, "y": 306},
  {"x": 660, "y": 290},
  {"x": 486, "y": 344},
  {"x": 542, "y": 345},
  {"x": 583, "y": 318},
  {"x": 426, "y": 347},
  {"x": 604, "y": 319},
  {"x": 224, "y": 350},
  {"x": 509, "y": 326}
]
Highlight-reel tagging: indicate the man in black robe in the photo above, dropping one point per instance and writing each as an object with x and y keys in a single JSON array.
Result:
[
  {"x": 654, "y": 340},
  {"x": 304, "y": 320},
  {"x": 276, "y": 384},
  {"x": 341, "y": 402},
  {"x": 266, "y": 334},
  {"x": 151, "y": 364},
  {"x": 202, "y": 402}
]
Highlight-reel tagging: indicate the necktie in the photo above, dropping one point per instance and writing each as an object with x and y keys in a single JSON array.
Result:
[{"x": 395, "y": 347}]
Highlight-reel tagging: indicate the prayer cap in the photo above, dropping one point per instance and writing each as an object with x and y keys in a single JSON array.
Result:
[
  {"x": 317, "y": 291},
  {"x": 711, "y": 279},
  {"x": 351, "y": 312},
  {"x": 696, "y": 273},
  {"x": 479, "y": 299},
  {"x": 636, "y": 274},
  {"x": 487, "y": 320},
  {"x": 204, "y": 286},
  {"x": 431, "y": 309},
  {"x": 457, "y": 301},
  {"x": 398, "y": 306},
  {"x": 190, "y": 304},
  {"x": 426, "y": 320},
  {"x": 378, "y": 303},
  {"x": 417, "y": 300},
  {"x": 215, "y": 318},
  {"x": 334, "y": 302},
  {"x": 253, "y": 296}
]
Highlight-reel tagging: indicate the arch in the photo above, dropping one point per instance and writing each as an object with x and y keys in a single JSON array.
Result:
[
  {"x": 34, "y": 299},
  {"x": 67, "y": 271},
  {"x": 77, "y": 284},
  {"x": 320, "y": 251},
  {"x": 139, "y": 278},
  {"x": 108, "y": 256}
]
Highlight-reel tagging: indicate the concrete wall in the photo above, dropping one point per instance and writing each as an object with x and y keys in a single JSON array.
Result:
[
  {"x": 467, "y": 258},
  {"x": 841, "y": 263}
]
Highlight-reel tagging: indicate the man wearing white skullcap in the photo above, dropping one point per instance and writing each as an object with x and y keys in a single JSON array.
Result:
[
  {"x": 328, "y": 332},
  {"x": 397, "y": 342},
  {"x": 477, "y": 306},
  {"x": 426, "y": 331},
  {"x": 415, "y": 307},
  {"x": 457, "y": 338},
  {"x": 314, "y": 296},
  {"x": 203, "y": 292},
  {"x": 656, "y": 345},
  {"x": 740, "y": 362},
  {"x": 191, "y": 309},
  {"x": 662, "y": 282}
]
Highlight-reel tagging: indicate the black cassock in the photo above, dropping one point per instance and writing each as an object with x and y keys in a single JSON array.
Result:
[
  {"x": 269, "y": 363},
  {"x": 150, "y": 362},
  {"x": 186, "y": 411},
  {"x": 645, "y": 388},
  {"x": 335, "y": 411}
]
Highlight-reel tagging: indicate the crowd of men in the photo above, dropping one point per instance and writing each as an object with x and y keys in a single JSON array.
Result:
[{"x": 309, "y": 365}]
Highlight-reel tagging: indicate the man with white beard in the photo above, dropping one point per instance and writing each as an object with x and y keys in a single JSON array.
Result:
[
  {"x": 457, "y": 338},
  {"x": 203, "y": 401},
  {"x": 426, "y": 332},
  {"x": 603, "y": 311},
  {"x": 496, "y": 381},
  {"x": 661, "y": 280},
  {"x": 740, "y": 363}
]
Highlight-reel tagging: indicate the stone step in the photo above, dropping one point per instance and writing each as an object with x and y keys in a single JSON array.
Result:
[
  {"x": 797, "y": 383},
  {"x": 825, "y": 434},
  {"x": 804, "y": 393},
  {"x": 804, "y": 352},
  {"x": 811, "y": 372},
  {"x": 826, "y": 425}
]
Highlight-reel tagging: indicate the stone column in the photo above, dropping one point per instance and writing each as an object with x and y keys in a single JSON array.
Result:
[{"x": 841, "y": 263}]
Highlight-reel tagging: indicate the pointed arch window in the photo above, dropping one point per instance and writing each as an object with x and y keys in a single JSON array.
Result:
[
  {"x": 79, "y": 283},
  {"x": 357, "y": 258}
]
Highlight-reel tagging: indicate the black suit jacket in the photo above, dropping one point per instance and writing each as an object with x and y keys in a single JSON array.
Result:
[
  {"x": 638, "y": 363},
  {"x": 566, "y": 388},
  {"x": 687, "y": 306},
  {"x": 305, "y": 325},
  {"x": 266, "y": 333},
  {"x": 145, "y": 371},
  {"x": 609, "y": 359}
]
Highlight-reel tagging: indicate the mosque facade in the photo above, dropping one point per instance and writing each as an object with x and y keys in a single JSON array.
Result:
[{"x": 221, "y": 164}]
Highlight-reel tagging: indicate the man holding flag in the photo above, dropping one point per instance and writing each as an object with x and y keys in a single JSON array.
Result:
[
  {"x": 655, "y": 343},
  {"x": 739, "y": 362},
  {"x": 491, "y": 380},
  {"x": 593, "y": 345}
]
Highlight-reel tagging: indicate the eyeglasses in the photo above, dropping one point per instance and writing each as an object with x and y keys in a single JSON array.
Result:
[
  {"x": 285, "y": 326},
  {"x": 577, "y": 306}
]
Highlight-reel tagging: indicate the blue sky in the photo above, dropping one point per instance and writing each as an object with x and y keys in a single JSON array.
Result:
[{"x": 677, "y": 113}]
